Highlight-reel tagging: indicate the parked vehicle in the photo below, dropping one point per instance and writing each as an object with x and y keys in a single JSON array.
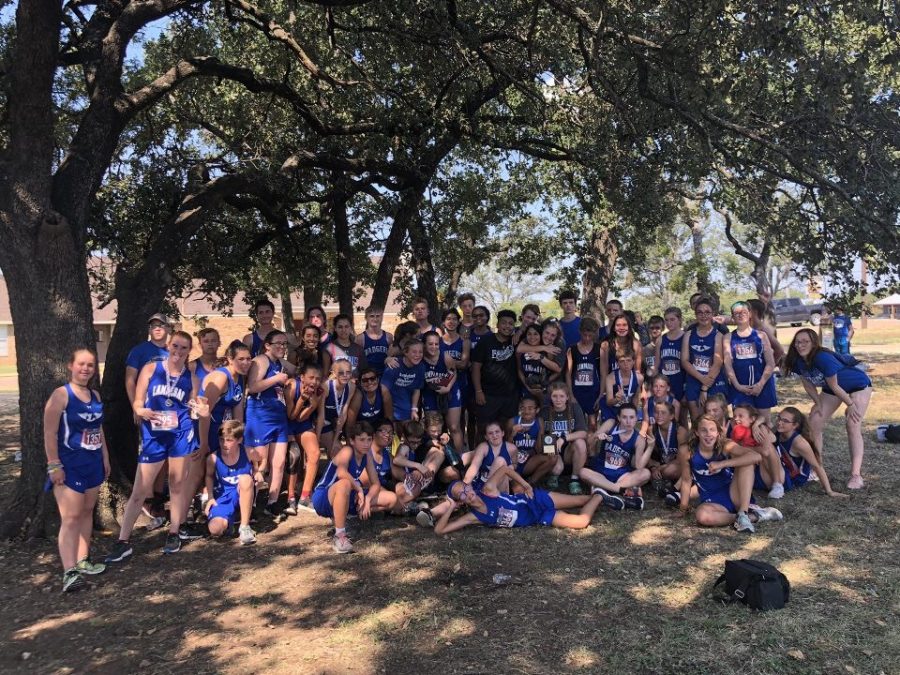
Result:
[{"x": 795, "y": 312}]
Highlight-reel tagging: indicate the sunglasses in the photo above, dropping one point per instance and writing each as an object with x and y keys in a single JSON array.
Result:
[{"x": 370, "y": 378}]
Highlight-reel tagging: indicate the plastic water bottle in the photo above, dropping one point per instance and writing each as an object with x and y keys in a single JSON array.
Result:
[{"x": 502, "y": 579}]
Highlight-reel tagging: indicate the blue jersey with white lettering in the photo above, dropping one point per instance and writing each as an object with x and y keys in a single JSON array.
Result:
[
  {"x": 796, "y": 468},
  {"x": 330, "y": 476},
  {"x": 225, "y": 481},
  {"x": 617, "y": 454},
  {"x": 485, "y": 470},
  {"x": 666, "y": 443},
  {"x": 200, "y": 370},
  {"x": 375, "y": 351},
  {"x": 169, "y": 396},
  {"x": 506, "y": 510},
  {"x": 371, "y": 410},
  {"x": 383, "y": 467},
  {"x": 79, "y": 428},
  {"x": 709, "y": 483},
  {"x": 273, "y": 397},
  {"x": 223, "y": 410},
  {"x": 402, "y": 382},
  {"x": 702, "y": 350},
  {"x": 670, "y": 364},
  {"x": 525, "y": 440},
  {"x": 747, "y": 359}
]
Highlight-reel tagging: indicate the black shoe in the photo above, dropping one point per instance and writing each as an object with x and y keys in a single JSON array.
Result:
[
  {"x": 660, "y": 485},
  {"x": 673, "y": 498},
  {"x": 634, "y": 502},
  {"x": 274, "y": 512},
  {"x": 121, "y": 551},
  {"x": 189, "y": 533},
  {"x": 614, "y": 502},
  {"x": 173, "y": 544},
  {"x": 73, "y": 581}
]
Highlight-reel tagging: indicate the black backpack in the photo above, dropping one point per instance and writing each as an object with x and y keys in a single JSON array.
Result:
[{"x": 757, "y": 584}]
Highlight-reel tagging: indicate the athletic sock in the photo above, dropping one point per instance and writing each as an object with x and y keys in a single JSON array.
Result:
[
  {"x": 304, "y": 495},
  {"x": 339, "y": 531}
]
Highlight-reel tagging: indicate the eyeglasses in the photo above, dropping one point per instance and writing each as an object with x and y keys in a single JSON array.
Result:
[
  {"x": 462, "y": 493},
  {"x": 785, "y": 420},
  {"x": 370, "y": 378}
]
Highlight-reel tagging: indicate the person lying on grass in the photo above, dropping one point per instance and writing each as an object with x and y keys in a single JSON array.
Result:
[{"x": 488, "y": 506}]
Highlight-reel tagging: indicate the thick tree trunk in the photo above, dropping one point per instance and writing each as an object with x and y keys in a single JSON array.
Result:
[
  {"x": 426, "y": 287},
  {"x": 342, "y": 247},
  {"x": 138, "y": 295},
  {"x": 599, "y": 268},
  {"x": 51, "y": 310},
  {"x": 393, "y": 247},
  {"x": 312, "y": 296},
  {"x": 287, "y": 311}
]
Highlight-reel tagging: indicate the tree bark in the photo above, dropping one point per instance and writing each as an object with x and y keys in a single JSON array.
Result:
[
  {"x": 342, "y": 245},
  {"x": 426, "y": 287},
  {"x": 312, "y": 296},
  {"x": 287, "y": 311},
  {"x": 599, "y": 268},
  {"x": 407, "y": 209}
]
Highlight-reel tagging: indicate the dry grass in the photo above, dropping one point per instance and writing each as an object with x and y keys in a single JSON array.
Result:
[{"x": 630, "y": 594}]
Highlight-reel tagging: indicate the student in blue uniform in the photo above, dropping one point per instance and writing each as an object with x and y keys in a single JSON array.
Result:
[
  {"x": 303, "y": 394},
  {"x": 842, "y": 327},
  {"x": 665, "y": 437},
  {"x": 660, "y": 392},
  {"x": 621, "y": 464},
  {"x": 798, "y": 453},
  {"x": 724, "y": 480},
  {"x": 229, "y": 482},
  {"x": 441, "y": 391},
  {"x": 371, "y": 401},
  {"x": 340, "y": 492},
  {"x": 655, "y": 326},
  {"x": 840, "y": 383},
  {"x": 583, "y": 370},
  {"x": 264, "y": 315},
  {"x": 208, "y": 361},
  {"x": 154, "y": 349},
  {"x": 570, "y": 321},
  {"x": 224, "y": 391},
  {"x": 374, "y": 340},
  {"x": 622, "y": 340},
  {"x": 334, "y": 405},
  {"x": 623, "y": 386},
  {"x": 701, "y": 359},
  {"x": 77, "y": 464},
  {"x": 527, "y": 433},
  {"x": 343, "y": 347},
  {"x": 749, "y": 363},
  {"x": 613, "y": 308},
  {"x": 564, "y": 422},
  {"x": 405, "y": 382},
  {"x": 540, "y": 358},
  {"x": 164, "y": 398},
  {"x": 266, "y": 431},
  {"x": 489, "y": 506},
  {"x": 668, "y": 353},
  {"x": 457, "y": 352}
]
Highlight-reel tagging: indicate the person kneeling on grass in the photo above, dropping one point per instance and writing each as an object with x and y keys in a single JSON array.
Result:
[
  {"x": 229, "y": 479},
  {"x": 341, "y": 493},
  {"x": 622, "y": 463},
  {"x": 724, "y": 479},
  {"x": 488, "y": 506}
]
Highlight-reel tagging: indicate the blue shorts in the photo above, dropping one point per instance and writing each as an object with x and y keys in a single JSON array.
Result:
[
  {"x": 82, "y": 473},
  {"x": 297, "y": 428},
  {"x": 587, "y": 399},
  {"x": 323, "y": 506},
  {"x": 720, "y": 497},
  {"x": 227, "y": 505},
  {"x": 692, "y": 388},
  {"x": 676, "y": 385},
  {"x": 264, "y": 429},
  {"x": 797, "y": 481},
  {"x": 598, "y": 464},
  {"x": 160, "y": 448},
  {"x": 543, "y": 508},
  {"x": 454, "y": 400},
  {"x": 765, "y": 400}
]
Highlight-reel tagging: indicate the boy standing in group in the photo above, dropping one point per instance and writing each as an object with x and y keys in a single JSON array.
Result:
[
  {"x": 843, "y": 331},
  {"x": 571, "y": 322}
]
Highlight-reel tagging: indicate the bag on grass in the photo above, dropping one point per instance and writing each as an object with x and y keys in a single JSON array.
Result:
[
  {"x": 889, "y": 433},
  {"x": 757, "y": 584}
]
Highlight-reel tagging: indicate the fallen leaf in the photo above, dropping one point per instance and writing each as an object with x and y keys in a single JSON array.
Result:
[{"x": 796, "y": 654}]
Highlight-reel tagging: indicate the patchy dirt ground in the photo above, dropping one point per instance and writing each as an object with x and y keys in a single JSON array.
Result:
[{"x": 629, "y": 594}]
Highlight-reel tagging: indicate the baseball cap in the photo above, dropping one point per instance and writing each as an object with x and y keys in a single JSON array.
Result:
[{"x": 159, "y": 317}]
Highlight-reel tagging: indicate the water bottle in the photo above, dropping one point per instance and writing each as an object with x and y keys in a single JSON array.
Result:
[{"x": 502, "y": 579}]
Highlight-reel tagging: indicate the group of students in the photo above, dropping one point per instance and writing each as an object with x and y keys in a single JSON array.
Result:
[{"x": 492, "y": 420}]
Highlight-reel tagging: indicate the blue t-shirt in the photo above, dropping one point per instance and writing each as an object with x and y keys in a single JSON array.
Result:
[
  {"x": 841, "y": 325},
  {"x": 824, "y": 365},
  {"x": 401, "y": 382},
  {"x": 571, "y": 330},
  {"x": 144, "y": 353}
]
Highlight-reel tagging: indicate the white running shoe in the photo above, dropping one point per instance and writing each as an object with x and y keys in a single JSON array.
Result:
[
  {"x": 766, "y": 513},
  {"x": 777, "y": 491}
]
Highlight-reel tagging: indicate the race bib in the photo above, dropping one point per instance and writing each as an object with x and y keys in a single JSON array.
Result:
[
  {"x": 166, "y": 420},
  {"x": 615, "y": 461},
  {"x": 671, "y": 367},
  {"x": 584, "y": 378},
  {"x": 745, "y": 350},
  {"x": 90, "y": 439},
  {"x": 702, "y": 363},
  {"x": 507, "y": 517}
]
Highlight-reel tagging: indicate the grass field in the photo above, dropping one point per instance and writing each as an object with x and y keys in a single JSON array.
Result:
[{"x": 629, "y": 594}]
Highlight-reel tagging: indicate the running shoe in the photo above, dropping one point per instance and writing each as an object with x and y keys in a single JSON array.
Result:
[
  {"x": 743, "y": 523},
  {"x": 121, "y": 551},
  {"x": 633, "y": 500},
  {"x": 189, "y": 533},
  {"x": 291, "y": 508},
  {"x": 660, "y": 485},
  {"x": 764, "y": 514},
  {"x": 173, "y": 543},
  {"x": 341, "y": 543},
  {"x": 673, "y": 498},
  {"x": 614, "y": 502},
  {"x": 552, "y": 482},
  {"x": 275, "y": 513},
  {"x": 247, "y": 535},
  {"x": 777, "y": 491},
  {"x": 424, "y": 518},
  {"x": 72, "y": 581},
  {"x": 305, "y": 504},
  {"x": 575, "y": 488},
  {"x": 85, "y": 566}
]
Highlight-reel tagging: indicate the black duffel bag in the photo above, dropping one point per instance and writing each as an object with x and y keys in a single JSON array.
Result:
[{"x": 757, "y": 584}]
